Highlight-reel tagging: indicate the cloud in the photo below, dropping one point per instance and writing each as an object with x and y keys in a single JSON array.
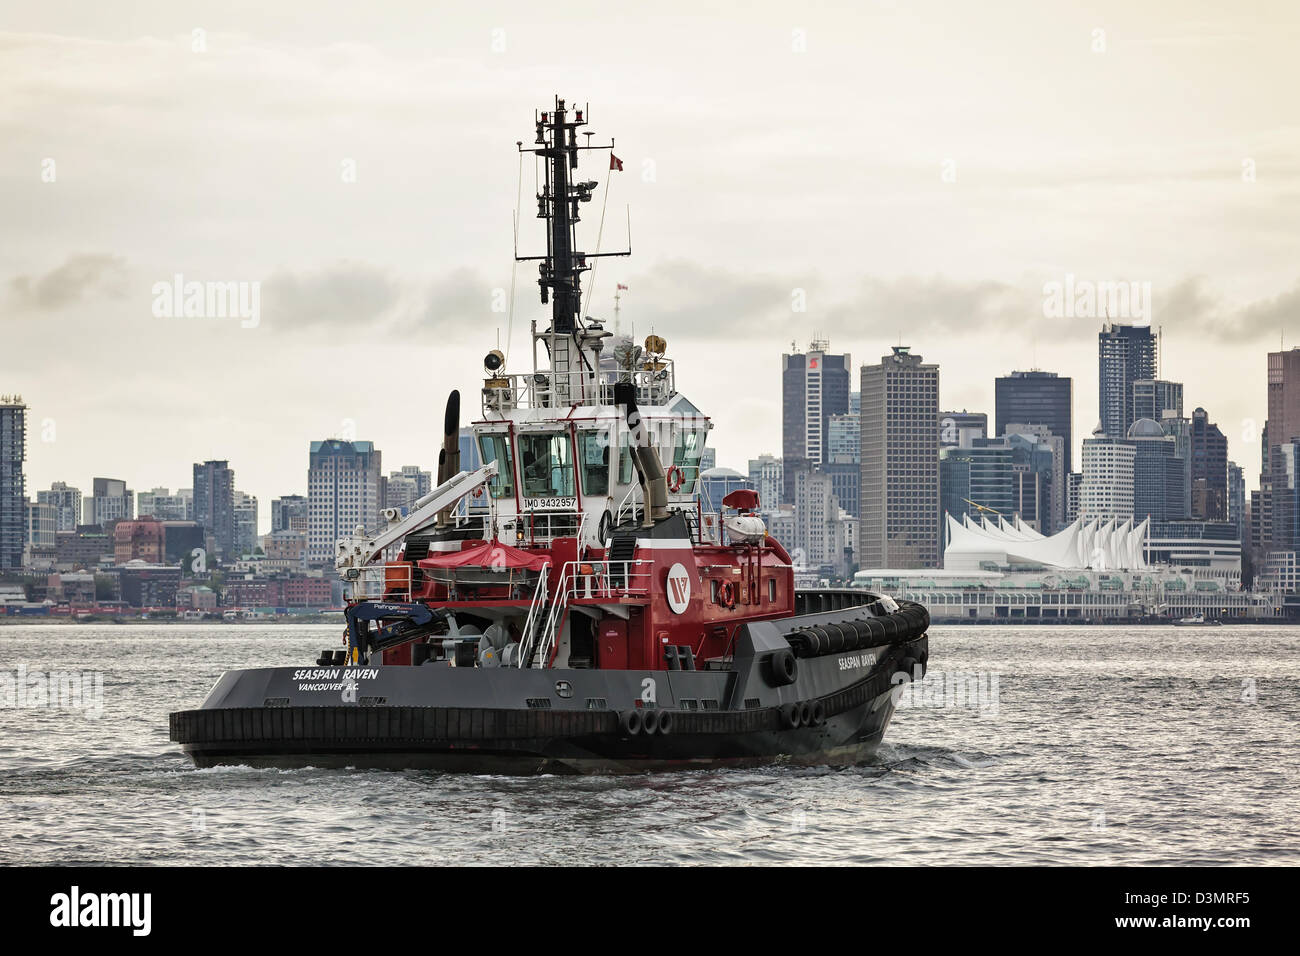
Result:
[
  {"x": 700, "y": 303},
  {"x": 1193, "y": 308},
  {"x": 366, "y": 298},
  {"x": 344, "y": 293},
  {"x": 76, "y": 279}
]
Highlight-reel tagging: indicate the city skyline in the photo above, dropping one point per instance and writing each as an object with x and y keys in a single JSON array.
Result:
[
  {"x": 817, "y": 188},
  {"x": 264, "y": 497}
]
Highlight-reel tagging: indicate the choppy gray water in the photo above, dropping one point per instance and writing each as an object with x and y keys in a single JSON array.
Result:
[{"x": 1101, "y": 746}]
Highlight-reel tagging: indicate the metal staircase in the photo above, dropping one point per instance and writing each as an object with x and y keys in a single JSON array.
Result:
[{"x": 621, "y": 551}]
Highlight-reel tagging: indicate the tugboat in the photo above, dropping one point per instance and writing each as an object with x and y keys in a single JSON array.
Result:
[{"x": 574, "y": 604}]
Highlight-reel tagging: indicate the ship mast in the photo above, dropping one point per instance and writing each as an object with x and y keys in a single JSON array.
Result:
[{"x": 571, "y": 345}]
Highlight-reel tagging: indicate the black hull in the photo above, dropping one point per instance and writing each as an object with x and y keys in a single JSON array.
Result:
[
  {"x": 863, "y": 726},
  {"x": 831, "y": 709}
]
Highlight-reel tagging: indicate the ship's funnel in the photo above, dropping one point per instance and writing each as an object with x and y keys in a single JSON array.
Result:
[
  {"x": 449, "y": 456},
  {"x": 649, "y": 469}
]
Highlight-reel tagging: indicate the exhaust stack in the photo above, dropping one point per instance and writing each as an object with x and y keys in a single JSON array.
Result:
[
  {"x": 649, "y": 469},
  {"x": 449, "y": 456}
]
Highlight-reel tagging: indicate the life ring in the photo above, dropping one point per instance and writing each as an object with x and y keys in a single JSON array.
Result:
[
  {"x": 727, "y": 594},
  {"x": 478, "y": 492},
  {"x": 675, "y": 478}
]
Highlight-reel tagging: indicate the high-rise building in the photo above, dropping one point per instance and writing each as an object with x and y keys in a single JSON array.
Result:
[
  {"x": 1157, "y": 399},
  {"x": 407, "y": 486},
  {"x": 1159, "y": 473},
  {"x": 765, "y": 476},
  {"x": 245, "y": 523},
  {"x": 343, "y": 493},
  {"x": 42, "y": 526},
  {"x": 716, "y": 483},
  {"x": 845, "y": 434},
  {"x": 1275, "y": 508},
  {"x": 1237, "y": 500},
  {"x": 1037, "y": 398},
  {"x": 1073, "y": 484},
  {"x": 1125, "y": 353},
  {"x": 214, "y": 502},
  {"x": 1281, "y": 554},
  {"x": 160, "y": 503},
  {"x": 977, "y": 480},
  {"x": 289, "y": 513},
  {"x": 814, "y": 386},
  {"x": 111, "y": 501},
  {"x": 1039, "y": 478},
  {"x": 899, "y": 494},
  {"x": 1209, "y": 469},
  {"x": 13, "y": 481},
  {"x": 959, "y": 429},
  {"x": 66, "y": 502},
  {"x": 846, "y": 481},
  {"x": 1283, "y": 396},
  {"x": 1106, "y": 488},
  {"x": 816, "y": 513}
]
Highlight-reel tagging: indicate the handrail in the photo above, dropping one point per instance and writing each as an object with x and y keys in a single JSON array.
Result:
[
  {"x": 576, "y": 583},
  {"x": 541, "y": 389},
  {"x": 530, "y": 622},
  {"x": 634, "y": 489}
]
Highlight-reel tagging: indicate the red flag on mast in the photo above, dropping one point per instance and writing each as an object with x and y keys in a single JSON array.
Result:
[{"x": 615, "y": 162}]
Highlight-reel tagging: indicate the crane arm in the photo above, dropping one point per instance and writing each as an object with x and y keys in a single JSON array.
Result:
[{"x": 360, "y": 549}]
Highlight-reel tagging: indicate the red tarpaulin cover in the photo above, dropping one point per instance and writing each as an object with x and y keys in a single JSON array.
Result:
[{"x": 487, "y": 554}]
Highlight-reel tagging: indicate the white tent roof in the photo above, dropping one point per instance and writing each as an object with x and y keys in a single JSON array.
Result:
[{"x": 1094, "y": 544}]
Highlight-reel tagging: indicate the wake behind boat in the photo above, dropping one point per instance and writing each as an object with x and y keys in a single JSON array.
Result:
[{"x": 573, "y": 605}]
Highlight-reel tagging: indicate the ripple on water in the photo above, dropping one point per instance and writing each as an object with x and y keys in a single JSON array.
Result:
[{"x": 1107, "y": 747}]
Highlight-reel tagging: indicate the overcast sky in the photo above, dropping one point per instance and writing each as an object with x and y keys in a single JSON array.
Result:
[{"x": 919, "y": 169}]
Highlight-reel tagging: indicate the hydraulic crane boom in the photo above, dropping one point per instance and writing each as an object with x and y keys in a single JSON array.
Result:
[{"x": 357, "y": 551}]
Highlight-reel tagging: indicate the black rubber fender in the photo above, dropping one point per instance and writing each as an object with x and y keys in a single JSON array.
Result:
[
  {"x": 782, "y": 668},
  {"x": 908, "y": 666},
  {"x": 818, "y": 713},
  {"x": 630, "y": 723},
  {"x": 790, "y": 716},
  {"x": 805, "y": 714},
  {"x": 665, "y": 721},
  {"x": 650, "y": 722}
]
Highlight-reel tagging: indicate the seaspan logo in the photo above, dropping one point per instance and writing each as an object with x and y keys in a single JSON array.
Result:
[{"x": 679, "y": 589}]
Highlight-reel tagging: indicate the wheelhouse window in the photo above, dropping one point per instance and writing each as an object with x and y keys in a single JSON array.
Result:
[
  {"x": 496, "y": 447},
  {"x": 687, "y": 452},
  {"x": 594, "y": 453},
  {"x": 546, "y": 463},
  {"x": 626, "y": 466}
]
